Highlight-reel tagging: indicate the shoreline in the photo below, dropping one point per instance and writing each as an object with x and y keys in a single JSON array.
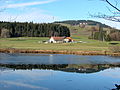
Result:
[{"x": 12, "y": 50}]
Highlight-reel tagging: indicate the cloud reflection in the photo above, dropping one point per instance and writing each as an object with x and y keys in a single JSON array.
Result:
[
  {"x": 23, "y": 85},
  {"x": 34, "y": 74},
  {"x": 114, "y": 73}
]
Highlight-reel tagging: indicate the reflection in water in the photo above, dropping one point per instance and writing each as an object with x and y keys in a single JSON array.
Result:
[
  {"x": 78, "y": 68},
  {"x": 117, "y": 87},
  {"x": 47, "y": 77},
  {"x": 58, "y": 72},
  {"x": 23, "y": 85}
]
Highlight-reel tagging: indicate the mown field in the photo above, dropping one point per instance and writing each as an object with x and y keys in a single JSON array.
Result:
[{"x": 36, "y": 43}]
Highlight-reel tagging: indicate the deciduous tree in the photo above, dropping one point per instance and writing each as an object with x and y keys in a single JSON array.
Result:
[{"x": 113, "y": 8}]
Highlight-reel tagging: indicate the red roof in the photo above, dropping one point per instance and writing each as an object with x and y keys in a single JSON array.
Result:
[
  {"x": 61, "y": 38},
  {"x": 58, "y": 38},
  {"x": 68, "y": 38}
]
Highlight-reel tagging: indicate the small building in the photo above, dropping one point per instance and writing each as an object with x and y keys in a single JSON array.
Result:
[
  {"x": 56, "y": 39},
  {"x": 68, "y": 39},
  {"x": 60, "y": 39}
]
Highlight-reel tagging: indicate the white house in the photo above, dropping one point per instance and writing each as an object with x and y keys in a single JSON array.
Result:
[
  {"x": 56, "y": 39},
  {"x": 60, "y": 39}
]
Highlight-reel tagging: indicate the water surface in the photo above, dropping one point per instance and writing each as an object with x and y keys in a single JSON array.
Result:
[
  {"x": 55, "y": 59},
  {"x": 58, "y": 72}
]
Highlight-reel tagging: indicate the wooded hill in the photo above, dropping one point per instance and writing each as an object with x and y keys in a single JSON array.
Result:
[
  {"x": 17, "y": 29},
  {"x": 88, "y": 22},
  {"x": 92, "y": 30}
]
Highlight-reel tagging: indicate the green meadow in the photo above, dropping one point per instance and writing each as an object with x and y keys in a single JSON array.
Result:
[{"x": 36, "y": 43}]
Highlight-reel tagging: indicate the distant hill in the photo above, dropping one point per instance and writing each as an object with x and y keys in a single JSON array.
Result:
[
  {"x": 88, "y": 22},
  {"x": 91, "y": 29}
]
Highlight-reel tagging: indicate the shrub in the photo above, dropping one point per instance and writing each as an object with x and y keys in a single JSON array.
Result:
[
  {"x": 115, "y": 36},
  {"x": 5, "y": 33},
  {"x": 115, "y": 49}
]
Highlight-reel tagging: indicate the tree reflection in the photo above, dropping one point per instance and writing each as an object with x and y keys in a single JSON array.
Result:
[{"x": 78, "y": 68}]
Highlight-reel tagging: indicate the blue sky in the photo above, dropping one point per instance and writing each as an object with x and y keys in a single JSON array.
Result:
[{"x": 53, "y": 10}]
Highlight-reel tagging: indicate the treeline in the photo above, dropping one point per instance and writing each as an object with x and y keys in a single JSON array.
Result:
[
  {"x": 98, "y": 33},
  {"x": 35, "y": 66},
  {"x": 17, "y": 29},
  {"x": 77, "y": 22},
  {"x": 61, "y": 67}
]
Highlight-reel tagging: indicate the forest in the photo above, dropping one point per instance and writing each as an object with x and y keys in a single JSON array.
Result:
[{"x": 17, "y": 29}]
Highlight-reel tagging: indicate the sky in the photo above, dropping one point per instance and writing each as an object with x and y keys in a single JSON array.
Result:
[{"x": 44, "y": 11}]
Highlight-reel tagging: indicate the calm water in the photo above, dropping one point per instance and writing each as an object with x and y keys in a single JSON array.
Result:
[{"x": 58, "y": 72}]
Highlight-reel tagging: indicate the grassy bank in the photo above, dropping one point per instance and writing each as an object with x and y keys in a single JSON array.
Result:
[{"x": 35, "y": 43}]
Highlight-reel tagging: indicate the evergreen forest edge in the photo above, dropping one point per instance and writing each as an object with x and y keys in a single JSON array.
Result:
[{"x": 17, "y": 29}]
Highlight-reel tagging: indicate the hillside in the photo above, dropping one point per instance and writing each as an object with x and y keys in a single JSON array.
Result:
[
  {"x": 77, "y": 30},
  {"x": 88, "y": 22},
  {"x": 82, "y": 27},
  {"x": 91, "y": 29}
]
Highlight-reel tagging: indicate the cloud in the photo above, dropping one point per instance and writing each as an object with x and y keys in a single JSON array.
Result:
[
  {"x": 19, "y": 11},
  {"x": 28, "y": 17},
  {"x": 112, "y": 23},
  {"x": 28, "y": 4},
  {"x": 37, "y": 16},
  {"x": 108, "y": 22}
]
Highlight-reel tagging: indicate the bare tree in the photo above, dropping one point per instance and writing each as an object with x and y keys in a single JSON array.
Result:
[
  {"x": 115, "y": 15},
  {"x": 113, "y": 6}
]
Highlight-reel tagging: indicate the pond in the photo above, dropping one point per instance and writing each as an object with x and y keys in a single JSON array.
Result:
[{"x": 58, "y": 72}]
